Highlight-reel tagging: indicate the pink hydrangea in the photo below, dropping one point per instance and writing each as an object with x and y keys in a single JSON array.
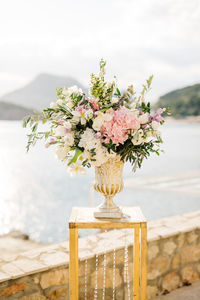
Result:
[{"x": 117, "y": 129}]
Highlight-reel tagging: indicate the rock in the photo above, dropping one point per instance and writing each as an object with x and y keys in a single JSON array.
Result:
[
  {"x": 109, "y": 278},
  {"x": 181, "y": 240},
  {"x": 176, "y": 261},
  {"x": 192, "y": 237},
  {"x": 189, "y": 275},
  {"x": 158, "y": 267},
  {"x": 35, "y": 296},
  {"x": 57, "y": 277},
  {"x": 169, "y": 247},
  {"x": 198, "y": 268},
  {"x": 18, "y": 235},
  {"x": 170, "y": 282},
  {"x": 152, "y": 291},
  {"x": 152, "y": 252},
  {"x": 63, "y": 291},
  {"x": 13, "y": 289},
  {"x": 190, "y": 254}
]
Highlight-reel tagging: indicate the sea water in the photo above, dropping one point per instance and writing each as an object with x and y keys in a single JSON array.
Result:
[{"x": 37, "y": 193}]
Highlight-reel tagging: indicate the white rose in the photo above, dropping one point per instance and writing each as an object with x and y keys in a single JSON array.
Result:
[
  {"x": 97, "y": 123},
  {"x": 114, "y": 100},
  {"x": 53, "y": 105},
  {"x": 143, "y": 119},
  {"x": 60, "y": 131},
  {"x": 155, "y": 125}
]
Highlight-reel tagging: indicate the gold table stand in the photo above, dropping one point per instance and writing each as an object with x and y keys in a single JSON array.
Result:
[{"x": 83, "y": 217}]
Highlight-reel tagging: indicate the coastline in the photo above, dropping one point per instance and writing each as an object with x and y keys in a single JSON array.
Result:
[{"x": 186, "y": 120}]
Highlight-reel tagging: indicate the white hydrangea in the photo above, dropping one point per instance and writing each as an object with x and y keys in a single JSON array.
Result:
[{"x": 89, "y": 142}]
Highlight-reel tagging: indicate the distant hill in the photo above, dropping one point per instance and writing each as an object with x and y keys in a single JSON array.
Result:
[
  {"x": 40, "y": 92},
  {"x": 9, "y": 111},
  {"x": 182, "y": 102}
]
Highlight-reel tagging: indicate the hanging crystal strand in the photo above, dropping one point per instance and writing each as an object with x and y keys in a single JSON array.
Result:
[
  {"x": 86, "y": 279},
  {"x": 104, "y": 275},
  {"x": 126, "y": 269},
  {"x": 113, "y": 274},
  {"x": 96, "y": 277}
]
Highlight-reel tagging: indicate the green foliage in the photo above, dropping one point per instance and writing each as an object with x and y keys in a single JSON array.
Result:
[{"x": 183, "y": 102}]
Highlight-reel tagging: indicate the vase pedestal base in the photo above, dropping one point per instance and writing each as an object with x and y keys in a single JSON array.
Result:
[{"x": 101, "y": 213}]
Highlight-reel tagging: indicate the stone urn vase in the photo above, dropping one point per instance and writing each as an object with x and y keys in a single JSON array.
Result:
[{"x": 109, "y": 182}]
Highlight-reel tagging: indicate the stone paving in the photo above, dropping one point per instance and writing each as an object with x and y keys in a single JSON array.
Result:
[{"x": 191, "y": 292}]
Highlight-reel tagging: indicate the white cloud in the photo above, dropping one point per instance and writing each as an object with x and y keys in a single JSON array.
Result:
[{"x": 137, "y": 37}]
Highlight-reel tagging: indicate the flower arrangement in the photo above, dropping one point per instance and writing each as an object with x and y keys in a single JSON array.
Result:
[{"x": 89, "y": 130}]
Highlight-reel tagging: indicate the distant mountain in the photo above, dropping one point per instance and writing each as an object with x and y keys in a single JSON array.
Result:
[
  {"x": 182, "y": 102},
  {"x": 9, "y": 111},
  {"x": 40, "y": 92}
]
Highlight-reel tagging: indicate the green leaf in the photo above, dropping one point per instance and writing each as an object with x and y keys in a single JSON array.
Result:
[
  {"x": 118, "y": 91},
  {"x": 34, "y": 128},
  {"x": 75, "y": 157}
]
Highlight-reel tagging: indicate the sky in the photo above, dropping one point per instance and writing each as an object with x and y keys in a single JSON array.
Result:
[{"x": 137, "y": 38}]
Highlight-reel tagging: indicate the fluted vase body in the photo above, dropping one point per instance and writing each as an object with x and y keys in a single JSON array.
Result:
[{"x": 109, "y": 182}]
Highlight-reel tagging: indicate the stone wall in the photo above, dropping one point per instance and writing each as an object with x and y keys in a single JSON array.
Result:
[{"x": 173, "y": 261}]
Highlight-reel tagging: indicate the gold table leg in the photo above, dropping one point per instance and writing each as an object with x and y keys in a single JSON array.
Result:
[
  {"x": 136, "y": 262},
  {"x": 143, "y": 261},
  {"x": 73, "y": 266}
]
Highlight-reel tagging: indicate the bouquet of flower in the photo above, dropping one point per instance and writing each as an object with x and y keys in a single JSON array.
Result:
[{"x": 89, "y": 130}]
